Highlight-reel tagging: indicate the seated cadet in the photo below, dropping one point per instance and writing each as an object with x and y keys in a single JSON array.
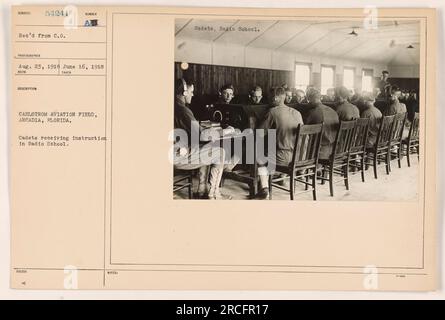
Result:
[
  {"x": 226, "y": 94},
  {"x": 412, "y": 105},
  {"x": 300, "y": 96},
  {"x": 308, "y": 89},
  {"x": 330, "y": 95},
  {"x": 319, "y": 113},
  {"x": 289, "y": 97},
  {"x": 356, "y": 98},
  {"x": 284, "y": 120},
  {"x": 256, "y": 95},
  {"x": 189, "y": 155},
  {"x": 374, "y": 115},
  {"x": 346, "y": 111},
  {"x": 403, "y": 96},
  {"x": 394, "y": 106},
  {"x": 300, "y": 103}
]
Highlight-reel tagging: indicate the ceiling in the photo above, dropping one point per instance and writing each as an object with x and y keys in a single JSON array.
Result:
[{"x": 385, "y": 44}]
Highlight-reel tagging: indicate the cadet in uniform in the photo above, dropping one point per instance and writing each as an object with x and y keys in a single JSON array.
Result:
[
  {"x": 189, "y": 155},
  {"x": 374, "y": 115},
  {"x": 256, "y": 95},
  {"x": 394, "y": 105},
  {"x": 346, "y": 111},
  {"x": 226, "y": 94},
  {"x": 319, "y": 113},
  {"x": 285, "y": 121}
]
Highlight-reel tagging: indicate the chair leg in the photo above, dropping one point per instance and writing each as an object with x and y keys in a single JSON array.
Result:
[
  {"x": 270, "y": 186},
  {"x": 306, "y": 186},
  {"x": 331, "y": 180},
  {"x": 253, "y": 188},
  {"x": 374, "y": 163},
  {"x": 323, "y": 175},
  {"x": 408, "y": 151},
  {"x": 388, "y": 161},
  {"x": 292, "y": 185},
  {"x": 314, "y": 184},
  {"x": 399, "y": 155},
  {"x": 346, "y": 175},
  {"x": 362, "y": 167}
]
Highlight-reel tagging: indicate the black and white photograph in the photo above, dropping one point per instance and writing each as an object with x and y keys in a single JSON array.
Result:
[
  {"x": 321, "y": 124},
  {"x": 315, "y": 109}
]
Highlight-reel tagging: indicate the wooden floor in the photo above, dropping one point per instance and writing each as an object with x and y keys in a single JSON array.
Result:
[{"x": 400, "y": 185}]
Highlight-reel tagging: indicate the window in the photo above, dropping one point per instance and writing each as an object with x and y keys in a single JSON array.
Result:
[
  {"x": 348, "y": 78},
  {"x": 327, "y": 78},
  {"x": 302, "y": 75},
  {"x": 367, "y": 80}
]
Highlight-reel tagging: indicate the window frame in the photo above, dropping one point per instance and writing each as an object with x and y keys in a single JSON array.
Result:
[
  {"x": 330, "y": 66},
  {"x": 306, "y": 64},
  {"x": 372, "y": 78},
  {"x": 353, "y": 76}
]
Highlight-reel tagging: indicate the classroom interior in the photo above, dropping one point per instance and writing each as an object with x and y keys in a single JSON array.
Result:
[{"x": 297, "y": 55}]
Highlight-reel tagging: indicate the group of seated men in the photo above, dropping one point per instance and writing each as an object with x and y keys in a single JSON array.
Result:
[
  {"x": 294, "y": 96},
  {"x": 256, "y": 96},
  {"x": 284, "y": 120}
]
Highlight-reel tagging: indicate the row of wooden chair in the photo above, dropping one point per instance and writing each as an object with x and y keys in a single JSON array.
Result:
[{"x": 350, "y": 150}]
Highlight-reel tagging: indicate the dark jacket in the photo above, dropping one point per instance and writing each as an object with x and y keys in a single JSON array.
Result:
[
  {"x": 284, "y": 120},
  {"x": 347, "y": 111},
  {"x": 185, "y": 120},
  {"x": 375, "y": 117},
  {"x": 394, "y": 108},
  {"x": 319, "y": 113}
]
